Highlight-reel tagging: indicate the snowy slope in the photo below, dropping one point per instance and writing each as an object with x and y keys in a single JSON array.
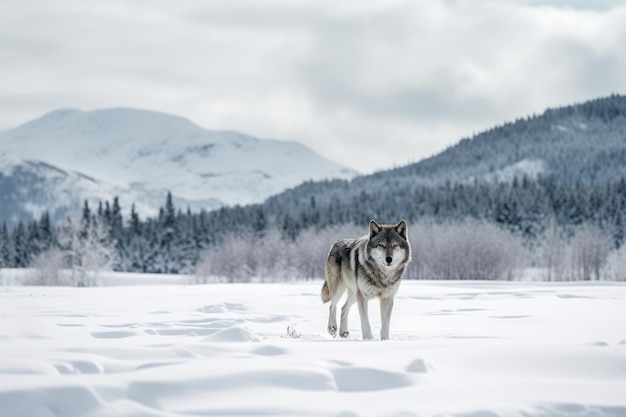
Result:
[
  {"x": 30, "y": 187},
  {"x": 457, "y": 349},
  {"x": 137, "y": 150}
]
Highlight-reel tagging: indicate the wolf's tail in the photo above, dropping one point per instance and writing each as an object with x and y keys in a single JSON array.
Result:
[{"x": 325, "y": 293}]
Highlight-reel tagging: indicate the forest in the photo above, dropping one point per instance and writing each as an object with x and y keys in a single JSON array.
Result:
[
  {"x": 546, "y": 193},
  {"x": 458, "y": 231}
]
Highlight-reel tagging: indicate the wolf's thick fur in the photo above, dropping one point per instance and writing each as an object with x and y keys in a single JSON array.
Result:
[{"x": 367, "y": 267}]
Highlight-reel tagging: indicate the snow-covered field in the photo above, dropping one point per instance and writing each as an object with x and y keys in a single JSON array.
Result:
[{"x": 465, "y": 349}]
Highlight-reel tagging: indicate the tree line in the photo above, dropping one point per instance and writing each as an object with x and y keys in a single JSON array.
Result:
[{"x": 289, "y": 234}]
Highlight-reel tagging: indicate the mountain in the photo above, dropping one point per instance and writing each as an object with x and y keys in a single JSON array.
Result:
[
  {"x": 577, "y": 154},
  {"x": 28, "y": 188},
  {"x": 67, "y": 156},
  {"x": 580, "y": 143},
  {"x": 577, "y": 143}
]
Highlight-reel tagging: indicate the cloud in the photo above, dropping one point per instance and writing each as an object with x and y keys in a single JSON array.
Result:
[
  {"x": 367, "y": 83},
  {"x": 599, "y": 5}
]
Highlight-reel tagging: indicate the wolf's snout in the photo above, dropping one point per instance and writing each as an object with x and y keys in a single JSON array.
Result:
[{"x": 389, "y": 259}]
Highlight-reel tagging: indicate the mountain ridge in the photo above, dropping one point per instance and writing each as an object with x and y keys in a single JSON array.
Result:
[
  {"x": 552, "y": 145},
  {"x": 554, "y": 136},
  {"x": 141, "y": 154},
  {"x": 584, "y": 142}
]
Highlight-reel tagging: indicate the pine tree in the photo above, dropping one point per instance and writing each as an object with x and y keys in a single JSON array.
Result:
[
  {"x": 186, "y": 254},
  {"x": 116, "y": 233},
  {"x": 618, "y": 231},
  {"x": 134, "y": 221},
  {"x": 5, "y": 247},
  {"x": 167, "y": 233},
  {"x": 85, "y": 220},
  {"x": 21, "y": 258},
  {"x": 33, "y": 240},
  {"x": 153, "y": 253},
  {"x": 107, "y": 215},
  {"x": 132, "y": 257},
  {"x": 169, "y": 212},
  {"x": 260, "y": 222},
  {"x": 46, "y": 234}
]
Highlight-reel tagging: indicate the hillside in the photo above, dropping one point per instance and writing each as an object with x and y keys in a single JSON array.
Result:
[
  {"x": 138, "y": 155},
  {"x": 29, "y": 187},
  {"x": 583, "y": 143},
  {"x": 577, "y": 143},
  {"x": 577, "y": 153}
]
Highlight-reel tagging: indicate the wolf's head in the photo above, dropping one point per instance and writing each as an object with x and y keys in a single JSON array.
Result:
[{"x": 389, "y": 243}]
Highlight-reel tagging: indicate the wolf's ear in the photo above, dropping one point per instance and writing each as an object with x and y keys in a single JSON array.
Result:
[
  {"x": 402, "y": 229},
  {"x": 374, "y": 228}
]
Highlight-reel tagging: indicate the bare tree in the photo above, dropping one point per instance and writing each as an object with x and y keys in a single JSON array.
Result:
[
  {"x": 204, "y": 273},
  {"x": 243, "y": 257},
  {"x": 232, "y": 260},
  {"x": 309, "y": 251},
  {"x": 590, "y": 250},
  {"x": 273, "y": 259},
  {"x": 554, "y": 255},
  {"x": 48, "y": 268},
  {"x": 88, "y": 248},
  {"x": 467, "y": 250},
  {"x": 615, "y": 266}
]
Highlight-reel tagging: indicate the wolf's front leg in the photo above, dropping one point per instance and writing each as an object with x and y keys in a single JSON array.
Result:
[
  {"x": 345, "y": 310},
  {"x": 386, "y": 305},
  {"x": 361, "y": 302}
]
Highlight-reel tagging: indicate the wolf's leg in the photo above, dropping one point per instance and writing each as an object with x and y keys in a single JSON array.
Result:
[
  {"x": 332, "y": 320},
  {"x": 386, "y": 305},
  {"x": 361, "y": 301},
  {"x": 332, "y": 315},
  {"x": 343, "y": 326}
]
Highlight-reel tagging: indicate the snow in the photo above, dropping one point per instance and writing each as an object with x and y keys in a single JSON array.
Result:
[
  {"x": 479, "y": 349},
  {"x": 135, "y": 151},
  {"x": 43, "y": 187},
  {"x": 528, "y": 167}
]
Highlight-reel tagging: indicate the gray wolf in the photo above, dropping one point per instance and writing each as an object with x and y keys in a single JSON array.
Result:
[{"x": 367, "y": 267}]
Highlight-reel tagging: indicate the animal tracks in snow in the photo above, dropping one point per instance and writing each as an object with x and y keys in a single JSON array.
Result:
[{"x": 226, "y": 350}]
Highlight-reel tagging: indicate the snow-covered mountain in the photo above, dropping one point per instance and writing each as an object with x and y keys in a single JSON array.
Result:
[
  {"x": 30, "y": 187},
  {"x": 66, "y": 156}
]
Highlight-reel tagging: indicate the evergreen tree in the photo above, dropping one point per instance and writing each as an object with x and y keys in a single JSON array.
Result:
[
  {"x": 21, "y": 257},
  {"x": 46, "y": 234},
  {"x": 185, "y": 254},
  {"x": 85, "y": 220},
  {"x": 260, "y": 222},
  {"x": 169, "y": 213},
  {"x": 132, "y": 256},
  {"x": 167, "y": 252},
  {"x": 153, "y": 252},
  {"x": 134, "y": 221},
  {"x": 618, "y": 231},
  {"x": 116, "y": 233},
  {"x": 5, "y": 247},
  {"x": 33, "y": 240},
  {"x": 107, "y": 214}
]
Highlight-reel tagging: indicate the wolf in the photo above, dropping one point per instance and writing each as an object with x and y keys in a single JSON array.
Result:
[{"x": 367, "y": 267}]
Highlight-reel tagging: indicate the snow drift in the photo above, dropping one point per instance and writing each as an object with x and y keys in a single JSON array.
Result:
[{"x": 457, "y": 349}]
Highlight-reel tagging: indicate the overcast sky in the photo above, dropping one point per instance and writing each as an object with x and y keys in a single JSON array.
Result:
[{"x": 370, "y": 84}]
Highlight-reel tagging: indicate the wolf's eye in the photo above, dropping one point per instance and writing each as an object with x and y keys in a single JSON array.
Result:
[
  {"x": 381, "y": 245},
  {"x": 394, "y": 245}
]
